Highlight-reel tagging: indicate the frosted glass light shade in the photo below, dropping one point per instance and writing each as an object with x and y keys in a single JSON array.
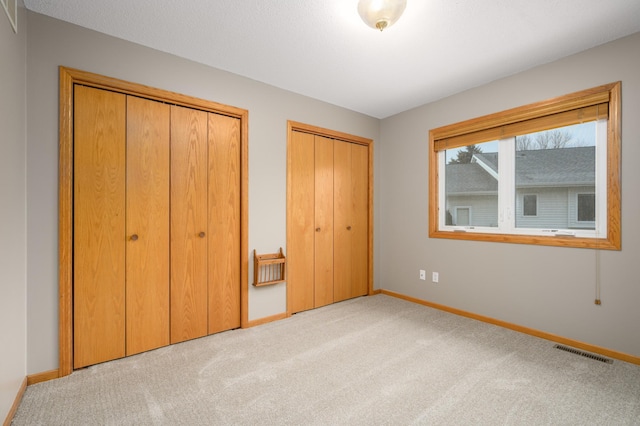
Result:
[{"x": 380, "y": 14}]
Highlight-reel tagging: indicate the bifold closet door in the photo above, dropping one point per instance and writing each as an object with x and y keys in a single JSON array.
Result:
[
  {"x": 360, "y": 219},
  {"x": 189, "y": 233},
  {"x": 328, "y": 221},
  {"x": 156, "y": 224},
  {"x": 324, "y": 218},
  {"x": 147, "y": 225},
  {"x": 99, "y": 226},
  {"x": 300, "y": 268},
  {"x": 224, "y": 222},
  {"x": 351, "y": 189},
  {"x": 310, "y": 271}
]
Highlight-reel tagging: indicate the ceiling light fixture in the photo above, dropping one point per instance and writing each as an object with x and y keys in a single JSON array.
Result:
[{"x": 380, "y": 14}]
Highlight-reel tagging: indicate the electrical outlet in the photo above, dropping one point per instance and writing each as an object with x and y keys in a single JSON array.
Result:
[
  {"x": 435, "y": 277},
  {"x": 423, "y": 274}
]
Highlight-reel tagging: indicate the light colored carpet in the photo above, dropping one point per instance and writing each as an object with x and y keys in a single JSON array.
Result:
[{"x": 369, "y": 361}]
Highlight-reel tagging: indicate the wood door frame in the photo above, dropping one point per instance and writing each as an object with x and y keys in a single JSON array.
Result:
[
  {"x": 68, "y": 78},
  {"x": 345, "y": 137}
]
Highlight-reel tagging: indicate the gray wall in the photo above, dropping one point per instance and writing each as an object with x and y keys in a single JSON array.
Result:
[
  {"x": 13, "y": 227},
  {"x": 551, "y": 289},
  {"x": 52, "y": 43},
  {"x": 545, "y": 288}
]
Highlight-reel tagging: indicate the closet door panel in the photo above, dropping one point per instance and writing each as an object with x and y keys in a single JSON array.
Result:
[
  {"x": 224, "y": 223},
  {"x": 343, "y": 230},
  {"x": 351, "y": 210},
  {"x": 359, "y": 220},
  {"x": 300, "y": 256},
  {"x": 323, "y": 246},
  {"x": 147, "y": 270},
  {"x": 189, "y": 307},
  {"x": 99, "y": 226}
]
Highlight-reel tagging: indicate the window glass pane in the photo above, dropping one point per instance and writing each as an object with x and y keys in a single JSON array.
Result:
[
  {"x": 463, "y": 216},
  {"x": 530, "y": 205},
  {"x": 554, "y": 164},
  {"x": 586, "y": 207},
  {"x": 471, "y": 185}
]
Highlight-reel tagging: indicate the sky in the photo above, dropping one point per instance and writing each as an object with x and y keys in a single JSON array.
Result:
[{"x": 584, "y": 134}]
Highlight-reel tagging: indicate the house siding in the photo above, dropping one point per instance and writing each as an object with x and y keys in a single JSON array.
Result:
[
  {"x": 572, "y": 217},
  {"x": 557, "y": 208},
  {"x": 484, "y": 208},
  {"x": 553, "y": 209}
]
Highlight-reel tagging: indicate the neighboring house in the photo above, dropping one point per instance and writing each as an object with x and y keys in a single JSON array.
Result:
[{"x": 554, "y": 188}]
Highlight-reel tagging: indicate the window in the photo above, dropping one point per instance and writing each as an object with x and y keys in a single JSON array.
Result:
[
  {"x": 586, "y": 207},
  {"x": 546, "y": 173},
  {"x": 529, "y": 205},
  {"x": 463, "y": 216}
]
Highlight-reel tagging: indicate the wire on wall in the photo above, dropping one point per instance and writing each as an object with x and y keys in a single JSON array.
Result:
[{"x": 597, "y": 271}]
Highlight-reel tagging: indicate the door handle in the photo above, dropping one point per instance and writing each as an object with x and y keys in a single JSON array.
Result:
[{"x": 134, "y": 237}]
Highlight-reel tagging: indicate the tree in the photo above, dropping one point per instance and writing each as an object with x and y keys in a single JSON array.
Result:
[
  {"x": 465, "y": 155},
  {"x": 552, "y": 139},
  {"x": 524, "y": 143}
]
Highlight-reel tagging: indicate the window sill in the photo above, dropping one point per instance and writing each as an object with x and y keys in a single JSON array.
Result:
[{"x": 555, "y": 241}]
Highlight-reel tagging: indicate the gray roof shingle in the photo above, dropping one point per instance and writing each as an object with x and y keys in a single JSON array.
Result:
[
  {"x": 534, "y": 168},
  {"x": 469, "y": 178},
  {"x": 556, "y": 167}
]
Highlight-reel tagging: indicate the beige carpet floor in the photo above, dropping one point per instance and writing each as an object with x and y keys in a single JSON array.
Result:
[{"x": 368, "y": 361}]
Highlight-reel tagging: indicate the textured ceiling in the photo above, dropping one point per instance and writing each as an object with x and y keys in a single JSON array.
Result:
[{"x": 321, "y": 48}]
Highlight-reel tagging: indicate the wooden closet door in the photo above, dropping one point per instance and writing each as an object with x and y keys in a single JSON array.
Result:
[
  {"x": 189, "y": 292},
  {"x": 323, "y": 246},
  {"x": 351, "y": 177},
  {"x": 342, "y": 195},
  {"x": 359, "y": 220},
  {"x": 224, "y": 223},
  {"x": 300, "y": 256},
  {"x": 147, "y": 205},
  {"x": 99, "y": 226}
]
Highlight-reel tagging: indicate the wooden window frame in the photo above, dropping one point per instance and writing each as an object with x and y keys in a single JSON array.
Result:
[{"x": 602, "y": 102}]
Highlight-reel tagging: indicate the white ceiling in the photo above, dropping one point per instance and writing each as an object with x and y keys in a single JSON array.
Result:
[{"x": 321, "y": 48}]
